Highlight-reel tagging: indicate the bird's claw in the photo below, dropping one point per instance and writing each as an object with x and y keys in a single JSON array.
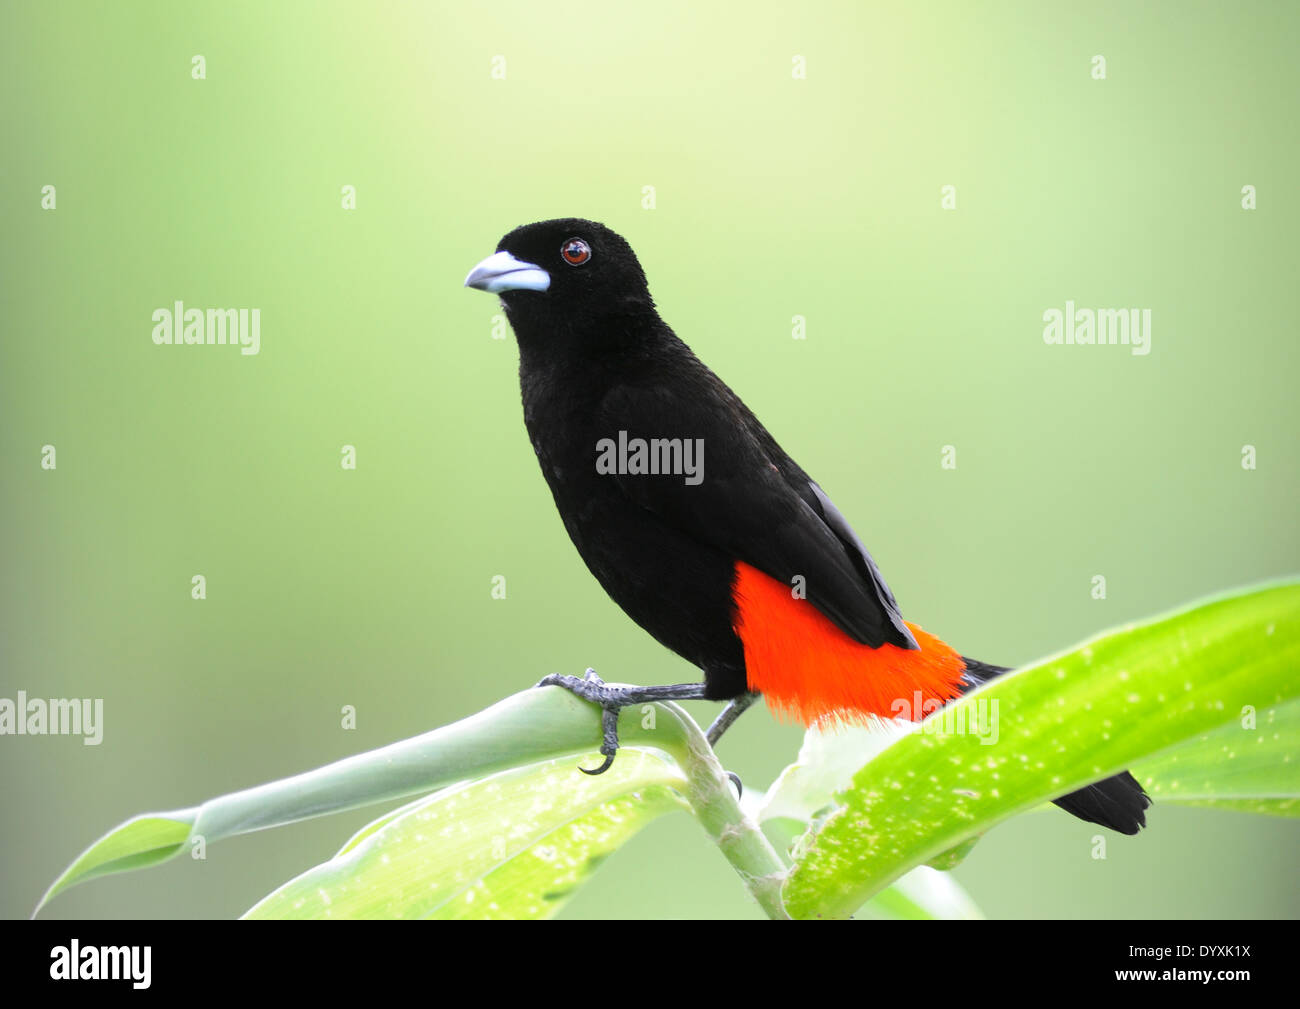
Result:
[
  {"x": 592, "y": 688},
  {"x": 611, "y": 700},
  {"x": 608, "y": 763}
]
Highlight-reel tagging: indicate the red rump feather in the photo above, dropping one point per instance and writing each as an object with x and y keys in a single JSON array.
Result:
[{"x": 810, "y": 670}]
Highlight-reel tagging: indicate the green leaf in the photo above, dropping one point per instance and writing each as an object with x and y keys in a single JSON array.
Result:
[
  {"x": 953, "y": 857},
  {"x": 513, "y": 845},
  {"x": 1065, "y": 722},
  {"x": 827, "y": 761},
  {"x": 523, "y": 730},
  {"x": 805, "y": 794},
  {"x": 1247, "y": 767},
  {"x": 924, "y": 894},
  {"x": 1263, "y": 807},
  {"x": 142, "y": 841},
  {"x": 537, "y": 882}
]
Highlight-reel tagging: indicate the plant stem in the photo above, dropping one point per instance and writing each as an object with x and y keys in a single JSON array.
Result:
[{"x": 714, "y": 802}]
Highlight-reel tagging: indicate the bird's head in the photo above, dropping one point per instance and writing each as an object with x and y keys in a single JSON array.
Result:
[{"x": 566, "y": 275}]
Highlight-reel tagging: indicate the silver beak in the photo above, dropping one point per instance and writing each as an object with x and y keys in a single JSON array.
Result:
[{"x": 502, "y": 272}]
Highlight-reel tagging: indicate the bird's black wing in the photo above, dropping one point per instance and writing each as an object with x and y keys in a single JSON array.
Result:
[{"x": 752, "y": 501}]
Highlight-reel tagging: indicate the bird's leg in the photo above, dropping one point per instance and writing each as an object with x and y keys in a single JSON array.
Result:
[
  {"x": 736, "y": 707},
  {"x": 611, "y": 699}
]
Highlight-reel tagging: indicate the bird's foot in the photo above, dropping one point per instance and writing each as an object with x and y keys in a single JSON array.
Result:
[
  {"x": 592, "y": 688},
  {"x": 613, "y": 699}
]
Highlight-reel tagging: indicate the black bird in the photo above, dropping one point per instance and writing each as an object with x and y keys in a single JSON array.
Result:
[{"x": 696, "y": 522}]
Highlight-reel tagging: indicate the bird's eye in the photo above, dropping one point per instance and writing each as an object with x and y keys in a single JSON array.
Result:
[{"x": 575, "y": 251}]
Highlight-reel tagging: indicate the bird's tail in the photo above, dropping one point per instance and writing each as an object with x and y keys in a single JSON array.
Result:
[
  {"x": 810, "y": 670},
  {"x": 1117, "y": 802}
]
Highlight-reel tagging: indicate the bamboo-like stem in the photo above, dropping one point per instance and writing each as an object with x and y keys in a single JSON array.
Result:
[{"x": 529, "y": 727}]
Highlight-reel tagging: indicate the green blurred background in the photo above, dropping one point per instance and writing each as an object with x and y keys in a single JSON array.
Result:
[{"x": 775, "y": 197}]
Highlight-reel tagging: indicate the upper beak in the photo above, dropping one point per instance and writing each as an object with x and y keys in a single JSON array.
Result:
[{"x": 502, "y": 272}]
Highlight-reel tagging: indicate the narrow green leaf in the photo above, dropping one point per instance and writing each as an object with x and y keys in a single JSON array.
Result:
[
  {"x": 524, "y": 728},
  {"x": 513, "y": 845},
  {"x": 1060, "y": 724},
  {"x": 1262, "y": 807},
  {"x": 1250, "y": 758},
  {"x": 953, "y": 857},
  {"x": 924, "y": 894},
  {"x": 827, "y": 761},
  {"x": 537, "y": 882},
  {"x": 140, "y": 842},
  {"x": 805, "y": 794}
]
